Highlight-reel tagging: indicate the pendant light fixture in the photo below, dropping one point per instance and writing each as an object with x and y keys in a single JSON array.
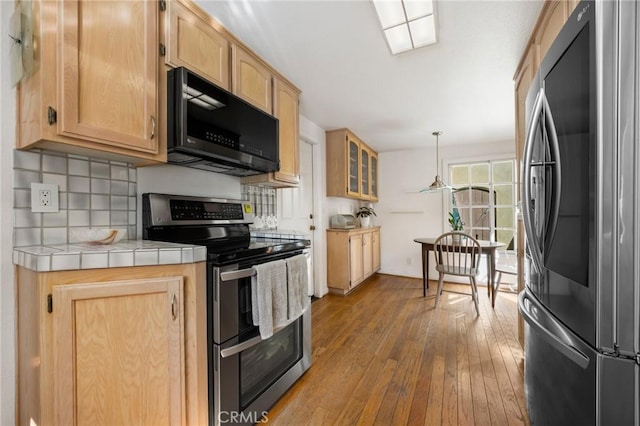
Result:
[{"x": 437, "y": 184}]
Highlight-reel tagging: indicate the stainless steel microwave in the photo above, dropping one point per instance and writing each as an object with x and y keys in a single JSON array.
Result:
[{"x": 209, "y": 128}]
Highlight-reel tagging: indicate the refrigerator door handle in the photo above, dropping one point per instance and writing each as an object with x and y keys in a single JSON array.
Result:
[
  {"x": 554, "y": 149},
  {"x": 531, "y": 310},
  {"x": 536, "y": 252}
]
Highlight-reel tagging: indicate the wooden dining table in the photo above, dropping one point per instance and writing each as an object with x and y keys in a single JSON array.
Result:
[{"x": 488, "y": 248}]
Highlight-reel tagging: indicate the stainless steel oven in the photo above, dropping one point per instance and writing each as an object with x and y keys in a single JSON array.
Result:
[
  {"x": 247, "y": 374},
  {"x": 250, "y": 374}
]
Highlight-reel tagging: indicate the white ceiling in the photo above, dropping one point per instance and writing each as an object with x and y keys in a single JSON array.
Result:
[{"x": 334, "y": 51}]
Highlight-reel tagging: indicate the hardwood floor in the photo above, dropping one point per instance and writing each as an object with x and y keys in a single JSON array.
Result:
[{"x": 383, "y": 355}]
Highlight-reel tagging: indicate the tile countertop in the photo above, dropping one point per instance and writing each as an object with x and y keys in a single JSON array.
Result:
[
  {"x": 65, "y": 257},
  {"x": 277, "y": 233}
]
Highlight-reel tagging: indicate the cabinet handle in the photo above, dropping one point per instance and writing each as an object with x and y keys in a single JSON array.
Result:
[
  {"x": 174, "y": 307},
  {"x": 153, "y": 127}
]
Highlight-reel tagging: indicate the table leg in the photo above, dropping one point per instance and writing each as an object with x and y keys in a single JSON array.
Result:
[
  {"x": 425, "y": 260},
  {"x": 426, "y": 271},
  {"x": 493, "y": 279},
  {"x": 489, "y": 279}
]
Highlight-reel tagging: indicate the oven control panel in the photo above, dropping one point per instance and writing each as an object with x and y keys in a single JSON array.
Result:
[
  {"x": 201, "y": 210},
  {"x": 164, "y": 210}
]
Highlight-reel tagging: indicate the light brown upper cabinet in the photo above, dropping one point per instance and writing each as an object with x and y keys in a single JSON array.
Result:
[
  {"x": 373, "y": 169},
  {"x": 285, "y": 109},
  {"x": 553, "y": 18},
  {"x": 251, "y": 79},
  {"x": 352, "y": 167},
  {"x": 368, "y": 173},
  {"x": 94, "y": 85},
  {"x": 195, "y": 43}
]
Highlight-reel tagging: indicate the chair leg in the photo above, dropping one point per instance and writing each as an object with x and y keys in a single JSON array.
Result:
[
  {"x": 474, "y": 293},
  {"x": 495, "y": 290},
  {"x": 439, "y": 289}
]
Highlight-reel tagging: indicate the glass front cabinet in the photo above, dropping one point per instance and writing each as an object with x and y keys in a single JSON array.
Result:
[{"x": 352, "y": 167}]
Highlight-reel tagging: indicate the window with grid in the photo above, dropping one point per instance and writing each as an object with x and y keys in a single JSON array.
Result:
[{"x": 484, "y": 196}]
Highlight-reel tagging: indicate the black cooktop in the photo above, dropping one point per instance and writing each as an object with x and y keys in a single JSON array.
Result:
[
  {"x": 255, "y": 247},
  {"x": 220, "y": 225}
]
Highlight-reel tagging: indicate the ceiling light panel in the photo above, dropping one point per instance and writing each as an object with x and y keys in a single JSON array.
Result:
[
  {"x": 418, "y": 8},
  {"x": 407, "y": 24},
  {"x": 398, "y": 38},
  {"x": 390, "y": 12},
  {"x": 423, "y": 31}
]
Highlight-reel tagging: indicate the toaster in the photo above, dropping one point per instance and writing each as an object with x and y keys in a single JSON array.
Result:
[{"x": 342, "y": 221}]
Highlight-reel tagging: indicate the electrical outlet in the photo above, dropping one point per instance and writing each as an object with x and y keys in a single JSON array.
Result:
[{"x": 44, "y": 198}]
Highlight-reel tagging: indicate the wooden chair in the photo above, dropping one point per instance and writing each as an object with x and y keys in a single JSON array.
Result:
[
  {"x": 506, "y": 263},
  {"x": 457, "y": 254}
]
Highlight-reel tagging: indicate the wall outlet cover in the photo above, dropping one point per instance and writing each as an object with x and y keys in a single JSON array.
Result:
[{"x": 44, "y": 198}]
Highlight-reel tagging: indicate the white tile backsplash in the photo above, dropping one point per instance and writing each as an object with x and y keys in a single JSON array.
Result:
[
  {"x": 79, "y": 218},
  {"x": 60, "y": 180},
  {"x": 79, "y": 201},
  {"x": 93, "y": 193},
  {"x": 119, "y": 173},
  {"x": 100, "y": 218},
  {"x": 99, "y": 202},
  {"x": 100, "y": 186},
  {"x": 100, "y": 170},
  {"x": 78, "y": 167},
  {"x": 79, "y": 184},
  {"x": 52, "y": 236},
  {"x": 27, "y": 236},
  {"x": 26, "y": 160},
  {"x": 58, "y": 219},
  {"x": 54, "y": 163}
]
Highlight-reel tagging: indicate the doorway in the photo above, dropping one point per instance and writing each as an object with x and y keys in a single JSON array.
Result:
[{"x": 295, "y": 205}]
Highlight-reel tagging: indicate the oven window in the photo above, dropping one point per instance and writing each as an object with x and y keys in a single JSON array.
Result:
[{"x": 264, "y": 363}]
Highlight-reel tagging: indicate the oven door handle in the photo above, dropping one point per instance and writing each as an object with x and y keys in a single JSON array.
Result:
[
  {"x": 226, "y": 353},
  {"x": 236, "y": 275}
]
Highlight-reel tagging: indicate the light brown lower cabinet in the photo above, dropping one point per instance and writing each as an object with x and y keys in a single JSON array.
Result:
[
  {"x": 352, "y": 257},
  {"x": 112, "y": 346}
]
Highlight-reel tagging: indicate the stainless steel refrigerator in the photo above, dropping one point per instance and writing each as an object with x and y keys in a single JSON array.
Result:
[{"x": 581, "y": 211}]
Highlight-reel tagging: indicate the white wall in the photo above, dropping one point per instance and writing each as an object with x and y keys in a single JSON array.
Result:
[
  {"x": 405, "y": 213},
  {"x": 7, "y": 287}
]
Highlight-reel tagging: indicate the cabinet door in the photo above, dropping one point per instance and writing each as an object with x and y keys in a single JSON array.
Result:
[
  {"x": 373, "y": 169},
  {"x": 365, "y": 182},
  {"x": 375, "y": 248},
  {"x": 195, "y": 44},
  {"x": 109, "y": 63},
  {"x": 286, "y": 111},
  {"x": 367, "y": 254},
  {"x": 355, "y": 259},
  {"x": 353, "y": 166},
  {"x": 119, "y": 353},
  {"x": 252, "y": 80}
]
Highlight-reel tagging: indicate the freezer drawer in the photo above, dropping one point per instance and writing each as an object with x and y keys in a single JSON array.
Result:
[
  {"x": 618, "y": 397},
  {"x": 560, "y": 369}
]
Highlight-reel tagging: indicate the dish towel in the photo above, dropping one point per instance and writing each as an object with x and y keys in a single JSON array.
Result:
[
  {"x": 298, "y": 285},
  {"x": 269, "y": 296}
]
